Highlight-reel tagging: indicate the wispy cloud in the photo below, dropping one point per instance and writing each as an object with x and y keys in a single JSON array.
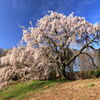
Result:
[{"x": 40, "y": 7}]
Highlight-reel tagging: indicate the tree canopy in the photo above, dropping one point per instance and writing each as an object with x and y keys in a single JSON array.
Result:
[{"x": 55, "y": 35}]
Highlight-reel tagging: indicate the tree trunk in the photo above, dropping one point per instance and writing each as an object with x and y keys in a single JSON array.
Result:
[
  {"x": 60, "y": 70},
  {"x": 63, "y": 72}
]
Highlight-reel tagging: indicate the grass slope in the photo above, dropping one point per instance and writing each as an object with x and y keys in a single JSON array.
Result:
[
  {"x": 88, "y": 89},
  {"x": 21, "y": 90}
]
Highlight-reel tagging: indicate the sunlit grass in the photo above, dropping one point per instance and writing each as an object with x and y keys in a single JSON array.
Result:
[{"x": 20, "y": 90}]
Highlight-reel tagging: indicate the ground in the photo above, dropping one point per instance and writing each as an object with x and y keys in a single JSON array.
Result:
[{"x": 88, "y": 89}]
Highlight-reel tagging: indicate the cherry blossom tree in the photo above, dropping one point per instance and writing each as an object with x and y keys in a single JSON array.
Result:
[{"x": 55, "y": 35}]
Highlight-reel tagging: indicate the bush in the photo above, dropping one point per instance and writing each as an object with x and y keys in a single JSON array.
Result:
[
  {"x": 91, "y": 74},
  {"x": 83, "y": 74},
  {"x": 97, "y": 73}
]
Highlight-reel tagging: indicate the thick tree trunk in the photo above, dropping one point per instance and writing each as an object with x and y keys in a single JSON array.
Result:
[{"x": 62, "y": 72}]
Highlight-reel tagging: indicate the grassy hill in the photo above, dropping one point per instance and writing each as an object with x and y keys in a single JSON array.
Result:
[{"x": 53, "y": 90}]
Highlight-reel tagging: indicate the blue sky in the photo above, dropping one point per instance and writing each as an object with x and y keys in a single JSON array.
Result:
[{"x": 19, "y": 12}]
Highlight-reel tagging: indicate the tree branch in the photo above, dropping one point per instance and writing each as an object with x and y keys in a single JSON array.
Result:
[
  {"x": 81, "y": 50},
  {"x": 91, "y": 59}
]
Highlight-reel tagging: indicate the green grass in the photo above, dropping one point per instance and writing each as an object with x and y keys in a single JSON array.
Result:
[
  {"x": 21, "y": 90},
  {"x": 91, "y": 85}
]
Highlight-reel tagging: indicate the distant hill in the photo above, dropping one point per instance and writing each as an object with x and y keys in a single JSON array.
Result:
[{"x": 3, "y": 52}]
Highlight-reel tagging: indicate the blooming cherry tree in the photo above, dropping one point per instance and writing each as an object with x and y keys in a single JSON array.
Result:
[{"x": 55, "y": 34}]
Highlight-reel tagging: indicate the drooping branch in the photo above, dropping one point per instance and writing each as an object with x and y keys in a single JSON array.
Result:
[
  {"x": 81, "y": 50},
  {"x": 74, "y": 57},
  {"x": 91, "y": 59}
]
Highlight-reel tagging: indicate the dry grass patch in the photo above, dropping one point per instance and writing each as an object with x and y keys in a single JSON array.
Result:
[{"x": 77, "y": 90}]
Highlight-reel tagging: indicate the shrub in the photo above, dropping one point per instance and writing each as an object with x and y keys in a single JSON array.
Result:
[
  {"x": 91, "y": 74},
  {"x": 97, "y": 72},
  {"x": 83, "y": 74}
]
